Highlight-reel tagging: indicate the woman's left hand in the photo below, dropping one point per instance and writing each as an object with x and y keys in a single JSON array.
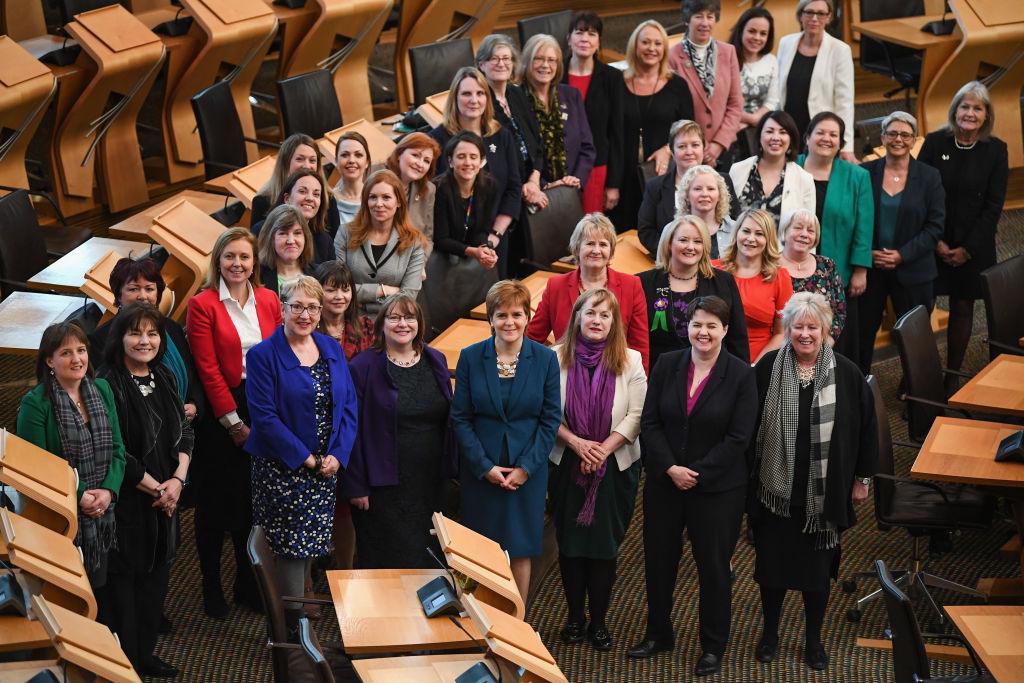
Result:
[
  {"x": 860, "y": 492},
  {"x": 98, "y": 504},
  {"x": 516, "y": 478},
  {"x": 957, "y": 257},
  {"x": 661, "y": 157},
  {"x": 330, "y": 465},
  {"x": 712, "y": 152},
  {"x": 168, "y": 500},
  {"x": 190, "y": 411}
]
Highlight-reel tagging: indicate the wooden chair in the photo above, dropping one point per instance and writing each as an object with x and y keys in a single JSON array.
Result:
[
  {"x": 555, "y": 24},
  {"x": 548, "y": 231},
  {"x": 221, "y": 132}
]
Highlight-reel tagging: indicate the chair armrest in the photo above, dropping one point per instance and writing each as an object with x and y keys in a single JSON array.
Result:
[
  {"x": 957, "y": 638},
  {"x": 917, "y": 482},
  {"x": 957, "y": 373},
  {"x": 934, "y": 404},
  {"x": 307, "y": 601},
  {"x": 1007, "y": 348},
  {"x": 264, "y": 143}
]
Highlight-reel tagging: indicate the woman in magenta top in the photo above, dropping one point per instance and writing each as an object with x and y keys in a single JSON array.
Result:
[{"x": 753, "y": 259}]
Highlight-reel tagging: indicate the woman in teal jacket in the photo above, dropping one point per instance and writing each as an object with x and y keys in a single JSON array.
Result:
[
  {"x": 72, "y": 415},
  {"x": 846, "y": 210}
]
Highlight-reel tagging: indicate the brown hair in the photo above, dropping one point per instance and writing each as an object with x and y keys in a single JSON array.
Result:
[
  {"x": 227, "y": 237},
  {"x": 505, "y": 293},
  {"x": 359, "y": 228},
  {"x": 336, "y": 274},
  {"x": 53, "y": 338},
  {"x": 358, "y": 137},
  {"x": 488, "y": 124},
  {"x": 318, "y": 223},
  {"x": 405, "y": 305},
  {"x": 415, "y": 141},
  {"x": 275, "y": 184},
  {"x": 130, "y": 318},
  {"x": 128, "y": 270},
  {"x": 614, "y": 356},
  {"x": 280, "y": 218}
]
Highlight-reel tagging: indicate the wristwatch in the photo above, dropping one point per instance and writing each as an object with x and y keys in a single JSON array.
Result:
[{"x": 864, "y": 480}]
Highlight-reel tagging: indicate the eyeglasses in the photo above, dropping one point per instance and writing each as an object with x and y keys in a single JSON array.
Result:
[
  {"x": 904, "y": 136},
  {"x": 813, "y": 14},
  {"x": 395, "y": 319},
  {"x": 500, "y": 60},
  {"x": 545, "y": 60},
  {"x": 298, "y": 309}
]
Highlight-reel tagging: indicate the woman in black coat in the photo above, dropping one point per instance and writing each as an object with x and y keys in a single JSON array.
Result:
[
  {"x": 158, "y": 446},
  {"x": 698, "y": 419},
  {"x": 974, "y": 169},
  {"x": 465, "y": 202}
]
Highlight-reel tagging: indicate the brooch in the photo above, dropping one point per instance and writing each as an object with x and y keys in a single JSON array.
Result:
[
  {"x": 565, "y": 116},
  {"x": 945, "y": 157},
  {"x": 493, "y": 147}
]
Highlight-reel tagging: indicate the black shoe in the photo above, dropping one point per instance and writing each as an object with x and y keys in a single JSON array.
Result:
[
  {"x": 816, "y": 657},
  {"x": 648, "y": 648},
  {"x": 157, "y": 668},
  {"x": 214, "y": 604},
  {"x": 166, "y": 627},
  {"x": 572, "y": 633},
  {"x": 707, "y": 664},
  {"x": 248, "y": 596},
  {"x": 599, "y": 637},
  {"x": 766, "y": 649}
]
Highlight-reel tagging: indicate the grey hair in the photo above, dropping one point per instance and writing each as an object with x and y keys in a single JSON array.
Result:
[
  {"x": 808, "y": 305},
  {"x": 592, "y": 223},
  {"x": 790, "y": 217},
  {"x": 900, "y": 116},
  {"x": 804, "y": 3},
  {"x": 683, "y": 191},
  {"x": 492, "y": 42},
  {"x": 977, "y": 90}
]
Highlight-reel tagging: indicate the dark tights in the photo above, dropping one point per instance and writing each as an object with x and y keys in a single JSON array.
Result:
[
  {"x": 583, "y": 577},
  {"x": 815, "y": 603},
  {"x": 958, "y": 332}
]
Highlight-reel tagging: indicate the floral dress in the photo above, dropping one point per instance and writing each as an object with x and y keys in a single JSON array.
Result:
[
  {"x": 752, "y": 196},
  {"x": 827, "y": 281},
  {"x": 295, "y": 507}
]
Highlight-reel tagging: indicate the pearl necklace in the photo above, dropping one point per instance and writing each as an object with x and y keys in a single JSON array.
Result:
[
  {"x": 959, "y": 146},
  {"x": 404, "y": 363}
]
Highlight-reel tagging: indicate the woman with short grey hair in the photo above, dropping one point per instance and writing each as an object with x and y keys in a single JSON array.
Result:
[
  {"x": 810, "y": 271},
  {"x": 974, "y": 168}
]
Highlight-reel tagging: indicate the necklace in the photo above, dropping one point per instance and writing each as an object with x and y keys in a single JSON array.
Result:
[
  {"x": 404, "y": 363},
  {"x": 508, "y": 369},
  {"x": 805, "y": 374},
  {"x": 959, "y": 146},
  {"x": 146, "y": 385},
  {"x": 683, "y": 279},
  {"x": 798, "y": 266}
]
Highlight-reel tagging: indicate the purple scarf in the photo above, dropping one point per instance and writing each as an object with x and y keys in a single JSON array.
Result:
[{"x": 588, "y": 414}]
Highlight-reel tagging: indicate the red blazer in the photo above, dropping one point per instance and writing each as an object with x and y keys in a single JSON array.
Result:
[
  {"x": 720, "y": 115},
  {"x": 555, "y": 307},
  {"x": 216, "y": 348}
]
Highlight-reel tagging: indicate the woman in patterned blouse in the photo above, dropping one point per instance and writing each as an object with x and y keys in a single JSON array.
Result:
[{"x": 811, "y": 272}]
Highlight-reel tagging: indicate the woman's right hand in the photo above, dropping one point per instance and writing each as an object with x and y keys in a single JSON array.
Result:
[
  {"x": 361, "y": 503},
  {"x": 485, "y": 256},
  {"x": 239, "y": 433},
  {"x": 683, "y": 477},
  {"x": 497, "y": 475}
]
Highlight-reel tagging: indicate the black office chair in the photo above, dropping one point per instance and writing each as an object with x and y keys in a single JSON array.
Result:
[
  {"x": 69, "y": 9},
  {"x": 548, "y": 231},
  {"x": 919, "y": 507},
  {"x": 454, "y": 286},
  {"x": 22, "y": 247},
  {"x": 901, "y": 64},
  {"x": 326, "y": 668},
  {"x": 434, "y": 66},
  {"x": 220, "y": 130},
  {"x": 556, "y": 24},
  {"x": 1001, "y": 284},
  {"x": 309, "y": 104},
  {"x": 909, "y": 658}
]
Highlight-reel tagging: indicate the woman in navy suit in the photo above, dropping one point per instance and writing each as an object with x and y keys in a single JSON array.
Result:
[{"x": 506, "y": 411}]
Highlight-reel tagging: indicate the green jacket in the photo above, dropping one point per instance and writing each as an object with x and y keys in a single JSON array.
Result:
[
  {"x": 848, "y": 218},
  {"x": 37, "y": 423}
]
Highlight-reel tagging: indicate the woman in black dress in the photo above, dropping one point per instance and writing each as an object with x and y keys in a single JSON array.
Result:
[
  {"x": 655, "y": 99},
  {"x": 817, "y": 416},
  {"x": 405, "y": 448},
  {"x": 974, "y": 169},
  {"x": 465, "y": 202}
]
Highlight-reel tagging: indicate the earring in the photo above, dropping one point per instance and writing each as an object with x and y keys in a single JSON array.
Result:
[{"x": 51, "y": 372}]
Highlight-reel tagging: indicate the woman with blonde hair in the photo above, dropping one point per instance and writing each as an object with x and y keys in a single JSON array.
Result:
[
  {"x": 810, "y": 271},
  {"x": 596, "y": 458},
  {"x": 704, "y": 193},
  {"x": 414, "y": 161},
  {"x": 753, "y": 258}
]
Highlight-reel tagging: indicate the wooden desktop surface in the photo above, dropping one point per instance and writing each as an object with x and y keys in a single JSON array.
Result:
[
  {"x": 461, "y": 334},
  {"x": 378, "y": 612},
  {"x": 67, "y": 273},
  {"x": 963, "y": 451},
  {"x": 998, "y": 388},
  {"x": 24, "y": 316},
  {"x": 137, "y": 225},
  {"x": 21, "y": 672},
  {"x": 419, "y": 668},
  {"x": 19, "y": 633},
  {"x": 996, "y": 632},
  {"x": 630, "y": 256}
]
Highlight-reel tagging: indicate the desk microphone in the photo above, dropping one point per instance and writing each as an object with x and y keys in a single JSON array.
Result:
[
  {"x": 478, "y": 673},
  {"x": 442, "y": 565},
  {"x": 940, "y": 27},
  {"x": 437, "y": 596}
]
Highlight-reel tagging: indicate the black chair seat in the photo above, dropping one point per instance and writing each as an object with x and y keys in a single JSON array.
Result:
[
  {"x": 434, "y": 66},
  {"x": 62, "y": 239},
  {"x": 918, "y": 506}
]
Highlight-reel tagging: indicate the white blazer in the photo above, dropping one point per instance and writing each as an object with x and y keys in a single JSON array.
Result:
[
  {"x": 630, "y": 391},
  {"x": 797, "y": 187},
  {"x": 831, "y": 86}
]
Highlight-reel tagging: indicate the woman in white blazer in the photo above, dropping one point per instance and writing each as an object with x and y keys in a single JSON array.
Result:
[
  {"x": 596, "y": 459},
  {"x": 771, "y": 179},
  {"x": 816, "y": 72}
]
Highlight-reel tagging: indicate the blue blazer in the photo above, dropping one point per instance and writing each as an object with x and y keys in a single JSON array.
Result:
[
  {"x": 580, "y": 152},
  {"x": 482, "y": 424},
  {"x": 280, "y": 396}
]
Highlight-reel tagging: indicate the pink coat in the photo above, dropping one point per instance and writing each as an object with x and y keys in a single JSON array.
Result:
[{"x": 720, "y": 115}]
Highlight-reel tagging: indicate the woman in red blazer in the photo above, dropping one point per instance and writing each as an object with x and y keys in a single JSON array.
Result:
[
  {"x": 229, "y": 316},
  {"x": 592, "y": 244}
]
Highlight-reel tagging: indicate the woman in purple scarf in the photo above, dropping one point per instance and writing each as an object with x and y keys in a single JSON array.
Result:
[{"x": 596, "y": 459}]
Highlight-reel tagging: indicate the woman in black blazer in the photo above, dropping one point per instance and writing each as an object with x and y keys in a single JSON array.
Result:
[
  {"x": 909, "y": 217},
  {"x": 699, "y": 417}
]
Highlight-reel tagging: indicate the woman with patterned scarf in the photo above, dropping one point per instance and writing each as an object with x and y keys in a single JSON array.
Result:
[
  {"x": 569, "y": 151},
  {"x": 72, "y": 415},
  {"x": 603, "y": 386},
  {"x": 815, "y": 454}
]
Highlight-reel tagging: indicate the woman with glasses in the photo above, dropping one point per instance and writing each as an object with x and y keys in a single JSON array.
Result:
[
  {"x": 405, "y": 448},
  {"x": 303, "y": 410},
  {"x": 909, "y": 217},
  {"x": 816, "y": 72}
]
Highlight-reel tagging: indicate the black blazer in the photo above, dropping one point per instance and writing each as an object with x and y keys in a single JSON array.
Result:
[
  {"x": 502, "y": 152},
  {"x": 604, "y": 114},
  {"x": 268, "y": 277},
  {"x": 450, "y": 235},
  {"x": 658, "y": 207},
  {"x": 261, "y": 206},
  {"x": 528, "y": 126},
  {"x": 920, "y": 220},
  {"x": 723, "y": 421},
  {"x": 323, "y": 243}
]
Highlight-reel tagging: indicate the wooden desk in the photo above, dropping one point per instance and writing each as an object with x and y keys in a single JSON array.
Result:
[
  {"x": 19, "y": 633},
  {"x": 996, "y": 632},
  {"x": 630, "y": 256},
  {"x": 20, "y": 672},
  {"x": 26, "y": 87},
  {"x": 67, "y": 273},
  {"x": 535, "y": 282},
  {"x": 137, "y": 225},
  {"x": 47, "y": 484},
  {"x": 420, "y": 668},
  {"x": 457, "y": 337},
  {"x": 24, "y": 316},
  {"x": 906, "y": 31},
  {"x": 84, "y": 642},
  {"x": 378, "y": 612},
  {"x": 379, "y": 137},
  {"x": 999, "y": 388}
]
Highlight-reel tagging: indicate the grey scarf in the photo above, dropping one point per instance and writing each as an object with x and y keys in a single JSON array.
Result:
[{"x": 706, "y": 67}]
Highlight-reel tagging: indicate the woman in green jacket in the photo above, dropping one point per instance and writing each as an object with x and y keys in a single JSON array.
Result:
[
  {"x": 72, "y": 415},
  {"x": 846, "y": 210}
]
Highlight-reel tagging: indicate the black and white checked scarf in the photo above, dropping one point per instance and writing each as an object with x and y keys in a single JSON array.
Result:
[
  {"x": 776, "y": 440},
  {"x": 706, "y": 67},
  {"x": 88, "y": 450}
]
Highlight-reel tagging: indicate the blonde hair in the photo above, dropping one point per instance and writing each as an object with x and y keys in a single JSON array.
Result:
[
  {"x": 978, "y": 91},
  {"x": 683, "y": 192},
  {"x": 307, "y": 284},
  {"x": 227, "y": 237},
  {"x": 631, "y": 62},
  {"x": 488, "y": 124},
  {"x": 791, "y": 217},
  {"x": 596, "y": 223},
  {"x": 280, "y": 218},
  {"x": 614, "y": 355},
  {"x": 530, "y": 50},
  {"x": 685, "y": 127},
  {"x": 664, "y": 253},
  {"x": 771, "y": 255},
  {"x": 506, "y": 293}
]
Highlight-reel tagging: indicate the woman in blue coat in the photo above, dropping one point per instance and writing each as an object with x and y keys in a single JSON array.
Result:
[
  {"x": 303, "y": 410},
  {"x": 506, "y": 412}
]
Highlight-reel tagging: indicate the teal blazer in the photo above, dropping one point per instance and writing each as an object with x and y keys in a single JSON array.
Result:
[
  {"x": 848, "y": 218},
  {"x": 37, "y": 423}
]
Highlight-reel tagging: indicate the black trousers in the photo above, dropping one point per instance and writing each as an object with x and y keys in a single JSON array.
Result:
[
  {"x": 131, "y": 604},
  {"x": 712, "y": 522},
  {"x": 882, "y": 284}
]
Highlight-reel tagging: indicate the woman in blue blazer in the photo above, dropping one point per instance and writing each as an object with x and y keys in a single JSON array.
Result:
[
  {"x": 506, "y": 411},
  {"x": 303, "y": 410}
]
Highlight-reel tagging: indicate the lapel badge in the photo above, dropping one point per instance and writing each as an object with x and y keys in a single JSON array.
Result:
[{"x": 945, "y": 157}]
